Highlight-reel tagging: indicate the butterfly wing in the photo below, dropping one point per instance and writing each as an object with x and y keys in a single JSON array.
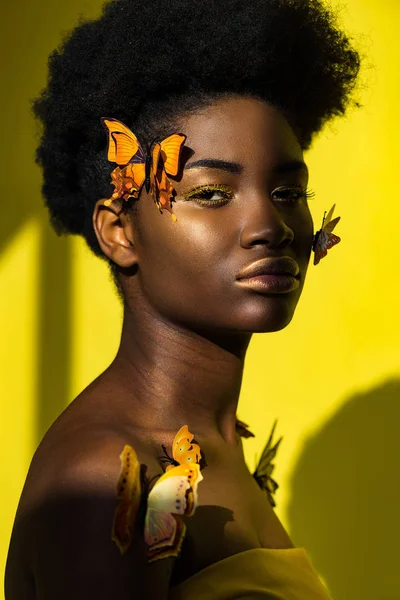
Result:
[
  {"x": 331, "y": 225},
  {"x": 183, "y": 450},
  {"x": 165, "y": 193},
  {"x": 243, "y": 429},
  {"x": 127, "y": 182},
  {"x": 129, "y": 494},
  {"x": 194, "y": 476},
  {"x": 172, "y": 544},
  {"x": 328, "y": 223},
  {"x": 170, "y": 149},
  {"x": 123, "y": 145},
  {"x": 188, "y": 454},
  {"x": 169, "y": 493},
  {"x": 325, "y": 239},
  {"x": 125, "y": 150},
  {"x": 165, "y": 161},
  {"x": 166, "y": 497},
  {"x": 175, "y": 493},
  {"x": 265, "y": 467}
]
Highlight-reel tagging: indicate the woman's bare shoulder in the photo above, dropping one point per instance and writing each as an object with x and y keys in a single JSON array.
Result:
[
  {"x": 69, "y": 501},
  {"x": 81, "y": 448}
]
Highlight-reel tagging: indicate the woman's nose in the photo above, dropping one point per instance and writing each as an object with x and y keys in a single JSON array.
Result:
[{"x": 263, "y": 224}]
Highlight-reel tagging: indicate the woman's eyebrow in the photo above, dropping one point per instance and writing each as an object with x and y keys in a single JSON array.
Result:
[
  {"x": 291, "y": 166},
  {"x": 216, "y": 163},
  {"x": 236, "y": 168}
]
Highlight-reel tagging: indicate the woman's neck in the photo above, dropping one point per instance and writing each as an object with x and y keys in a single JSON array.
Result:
[{"x": 171, "y": 376}]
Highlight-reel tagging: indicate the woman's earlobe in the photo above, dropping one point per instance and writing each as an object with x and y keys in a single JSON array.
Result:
[{"x": 113, "y": 234}]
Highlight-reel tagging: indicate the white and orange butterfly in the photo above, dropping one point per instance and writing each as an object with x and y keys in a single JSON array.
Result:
[
  {"x": 324, "y": 238},
  {"x": 173, "y": 494},
  {"x": 139, "y": 168}
]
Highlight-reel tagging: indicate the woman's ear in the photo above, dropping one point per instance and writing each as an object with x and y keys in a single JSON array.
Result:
[{"x": 113, "y": 233}]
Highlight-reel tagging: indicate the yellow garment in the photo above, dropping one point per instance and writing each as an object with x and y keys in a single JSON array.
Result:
[{"x": 271, "y": 574}]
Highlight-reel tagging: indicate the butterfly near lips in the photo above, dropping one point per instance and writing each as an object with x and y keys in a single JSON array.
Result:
[
  {"x": 137, "y": 168},
  {"x": 324, "y": 239},
  {"x": 173, "y": 494}
]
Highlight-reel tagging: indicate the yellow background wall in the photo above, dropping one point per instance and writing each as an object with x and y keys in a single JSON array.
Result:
[{"x": 331, "y": 377}]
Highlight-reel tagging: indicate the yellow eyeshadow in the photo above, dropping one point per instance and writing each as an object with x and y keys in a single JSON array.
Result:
[{"x": 197, "y": 190}]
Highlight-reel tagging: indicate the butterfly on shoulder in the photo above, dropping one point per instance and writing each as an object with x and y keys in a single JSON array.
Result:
[
  {"x": 264, "y": 468},
  {"x": 174, "y": 493},
  {"x": 137, "y": 168},
  {"x": 324, "y": 238}
]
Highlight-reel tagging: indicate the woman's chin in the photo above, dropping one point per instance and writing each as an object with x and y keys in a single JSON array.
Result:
[
  {"x": 270, "y": 325},
  {"x": 273, "y": 315}
]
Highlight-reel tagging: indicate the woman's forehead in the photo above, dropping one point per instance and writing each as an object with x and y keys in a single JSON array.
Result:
[{"x": 239, "y": 130}]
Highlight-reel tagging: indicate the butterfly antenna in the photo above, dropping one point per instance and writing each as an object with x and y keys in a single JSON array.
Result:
[{"x": 167, "y": 457}]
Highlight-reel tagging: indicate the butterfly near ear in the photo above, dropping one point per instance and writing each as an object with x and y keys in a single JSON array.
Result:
[
  {"x": 137, "y": 168},
  {"x": 265, "y": 467},
  {"x": 324, "y": 239},
  {"x": 173, "y": 494}
]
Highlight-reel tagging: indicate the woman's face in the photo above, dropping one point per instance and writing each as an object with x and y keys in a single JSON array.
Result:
[{"x": 187, "y": 271}]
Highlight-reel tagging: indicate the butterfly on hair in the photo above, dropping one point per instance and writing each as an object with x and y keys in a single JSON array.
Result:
[{"x": 137, "y": 168}]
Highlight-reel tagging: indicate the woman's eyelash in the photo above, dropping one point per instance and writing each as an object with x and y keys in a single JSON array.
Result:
[
  {"x": 287, "y": 193},
  {"x": 203, "y": 194}
]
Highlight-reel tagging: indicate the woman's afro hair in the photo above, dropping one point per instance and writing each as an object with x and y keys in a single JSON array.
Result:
[{"x": 148, "y": 63}]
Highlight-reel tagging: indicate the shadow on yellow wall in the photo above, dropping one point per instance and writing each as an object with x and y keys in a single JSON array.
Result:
[
  {"x": 345, "y": 496},
  {"x": 53, "y": 318},
  {"x": 29, "y": 32}
]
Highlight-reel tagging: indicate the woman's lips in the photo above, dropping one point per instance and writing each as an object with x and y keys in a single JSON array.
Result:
[
  {"x": 271, "y": 283},
  {"x": 280, "y": 266}
]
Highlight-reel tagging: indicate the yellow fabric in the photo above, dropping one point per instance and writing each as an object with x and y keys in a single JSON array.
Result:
[{"x": 271, "y": 574}]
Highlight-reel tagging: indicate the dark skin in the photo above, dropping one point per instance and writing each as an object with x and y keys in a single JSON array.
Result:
[
  {"x": 184, "y": 317},
  {"x": 186, "y": 329}
]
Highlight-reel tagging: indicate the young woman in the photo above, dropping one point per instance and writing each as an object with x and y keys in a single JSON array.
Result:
[{"x": 173, "y": 143}]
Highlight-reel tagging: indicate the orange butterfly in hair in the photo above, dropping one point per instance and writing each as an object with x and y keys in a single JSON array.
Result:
[
  {"x": 173, "y": 494},
  {"x": 324, "y": 238},
  {"x": 138, "y": 168}
]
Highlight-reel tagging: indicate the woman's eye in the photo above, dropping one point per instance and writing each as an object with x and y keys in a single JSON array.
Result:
[
  {"x": 293, "y": 194},
  {"x": 211, "y": 195}
]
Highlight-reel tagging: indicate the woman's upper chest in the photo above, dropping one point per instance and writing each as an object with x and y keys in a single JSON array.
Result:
[{"x": 233, "y": 515}]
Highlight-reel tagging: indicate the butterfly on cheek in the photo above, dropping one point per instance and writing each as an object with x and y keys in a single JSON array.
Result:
[
  {"x": 324, "y": 239},
  {"x": 173, "y": 494},
  {"x": 136, "y": 169}
]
